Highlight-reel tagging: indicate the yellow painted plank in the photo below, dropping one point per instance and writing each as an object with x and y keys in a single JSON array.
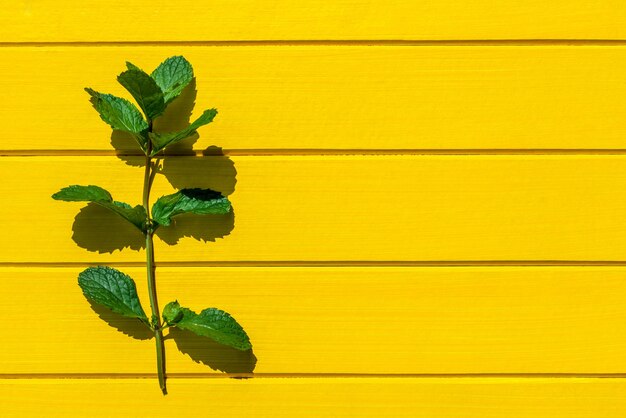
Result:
[
  {"x": 349, "y": 397},
  {"x": 332, "y": 208},
  {"x": 381, "y": 320},
  {"x": 187, "y": 20},
  {"x": 331, "y": 97}
]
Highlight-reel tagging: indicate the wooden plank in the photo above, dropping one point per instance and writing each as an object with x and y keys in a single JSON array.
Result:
[
  {"x": 348, "y": 397},
  {"x": 333, "y": 208},
  {"x": 396, "y": 320},
  {"x": 333, "y": 97},
  {"x": 186, "y": 20}
]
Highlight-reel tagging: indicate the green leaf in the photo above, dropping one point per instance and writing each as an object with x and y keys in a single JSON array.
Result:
[
  {"x": 162, "y": 140},
  {"x": 120, "y": 114},
  {"x": 132, "y": 66},
  {"x": 145, "y": 90},
  {"x": 113, "y": 289},
  {"x": 83, "y": 194},
  {"x": 135, "y": 215},
  {"x": 173, "y": 75},
  {"x": 213, "y": 323},
  {"x": 76, "y": 193},
  {"x": 198, "y": 201},
  {"x": 173, "y": 313}
]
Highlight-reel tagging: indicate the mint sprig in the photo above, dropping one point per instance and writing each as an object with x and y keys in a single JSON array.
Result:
[{"x": 112, "y": 288}]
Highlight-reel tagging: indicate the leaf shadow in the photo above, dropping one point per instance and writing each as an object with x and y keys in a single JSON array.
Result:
[
  {"x": 211, "y": 170},
  {"x": 130, "y": 326},
  {"x": 97, "y": 229},
  {"x": 216, "y": 356},
  {"x": 205, "y": 228}
]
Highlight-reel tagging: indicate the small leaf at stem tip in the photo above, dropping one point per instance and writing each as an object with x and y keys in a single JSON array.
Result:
[
  {"x": 113, "y": 289},
  {"x": 165, "y": 139},
  {"x": 172, "y": 313},
  {"x": 145, "y": 91},
  {"x": 213, "y": 323},
  {"x": 120, "y": 114},
  {"x": 76, "y": 193},
  {"x": 132, "y": 66},
  {"x": 172, "y": 76},
  {"x": 198, "y": 201}
]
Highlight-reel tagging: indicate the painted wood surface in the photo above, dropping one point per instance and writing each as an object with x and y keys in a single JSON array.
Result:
[
  {"x": 396, "y": 321},
  {"x": 427, "y": 203},
  {"x": 193, "y": 21},
  {"x": 289, "y": 99},
  {"x": 341, "y": 397},
  {"x": 330, "y": 208}
]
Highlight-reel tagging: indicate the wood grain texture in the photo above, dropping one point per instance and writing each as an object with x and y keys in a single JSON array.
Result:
[
  {"x": 332, "y": 97},
  {"x": 187, "y": 20},
  {"x": 480, "y": 398},
  {"x": 390, "y": 320},
  {"x": 308, "y": 209}
]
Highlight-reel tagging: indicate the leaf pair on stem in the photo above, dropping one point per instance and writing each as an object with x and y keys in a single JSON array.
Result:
[
  {"x": 115, "y": 290},
  {"x": 198, "y": 201},
  {"x": 112, "y": 288}
]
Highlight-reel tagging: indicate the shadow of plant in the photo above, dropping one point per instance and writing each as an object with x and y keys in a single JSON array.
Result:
[
  {"x": 202, "y": 228},
  {"x": 99, "y": 230},
  {"x": 216, "y": 356},
  {"x": 129, "y": 326},
  {"x": 211, "y": 170}
]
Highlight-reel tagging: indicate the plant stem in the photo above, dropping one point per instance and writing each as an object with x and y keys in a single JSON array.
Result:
[{"x": 151, "y": 272}]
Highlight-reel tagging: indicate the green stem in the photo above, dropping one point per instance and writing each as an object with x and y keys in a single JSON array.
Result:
[{"x": 151, "y": 272}]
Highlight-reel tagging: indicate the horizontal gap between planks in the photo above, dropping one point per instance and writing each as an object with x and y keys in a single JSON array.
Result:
[
  {"x": 355, "y": 263},
  {"x": 322, "y": 42},
  {"x": 217, "y": 375},
  {"x": 312, "y": 152}
]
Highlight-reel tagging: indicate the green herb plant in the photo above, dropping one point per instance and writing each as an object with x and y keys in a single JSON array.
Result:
[{"x": 110, "y": 287}]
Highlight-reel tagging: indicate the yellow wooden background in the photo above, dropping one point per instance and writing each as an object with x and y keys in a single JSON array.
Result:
[{"x": 429, "y": 208}]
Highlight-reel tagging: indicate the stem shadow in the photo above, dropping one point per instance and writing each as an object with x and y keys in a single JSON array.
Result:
[{"x": 216, "y": 356}]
